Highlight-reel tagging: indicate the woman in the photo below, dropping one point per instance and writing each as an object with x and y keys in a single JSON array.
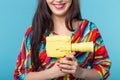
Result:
[{"x": 61, "y": 17}]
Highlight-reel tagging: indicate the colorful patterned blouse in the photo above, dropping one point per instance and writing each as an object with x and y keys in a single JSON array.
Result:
[{"x": 85, "y": 32}]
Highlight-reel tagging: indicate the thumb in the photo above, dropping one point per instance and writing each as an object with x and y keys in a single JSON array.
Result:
[
  {"x": 71, "y": 56},
  {"x": 73, "y": 53}
]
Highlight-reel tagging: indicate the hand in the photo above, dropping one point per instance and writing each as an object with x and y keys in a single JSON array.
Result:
[
  {"x": 70, "y": 65},
  {"x": 56, "y": 71}
]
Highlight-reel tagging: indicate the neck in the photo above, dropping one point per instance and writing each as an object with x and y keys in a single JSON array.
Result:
[{"x": 59, "y": 22}]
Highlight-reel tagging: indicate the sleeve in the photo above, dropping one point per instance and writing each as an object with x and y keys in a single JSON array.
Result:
[
  {"x": 23, "y": 64},
  {"x": 101, "y": 61}
]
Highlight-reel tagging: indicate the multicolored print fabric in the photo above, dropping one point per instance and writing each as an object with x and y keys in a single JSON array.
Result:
[{"x": 85, "y": 32}]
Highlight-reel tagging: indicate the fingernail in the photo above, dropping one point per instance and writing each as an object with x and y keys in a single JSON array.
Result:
[
  {"x": 58, "y": 61},
  {"x": 65, "y": 56},
  {"x": 57, "y": 64}
]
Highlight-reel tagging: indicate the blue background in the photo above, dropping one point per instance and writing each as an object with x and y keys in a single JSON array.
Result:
[{"x": 16, "y": 16}]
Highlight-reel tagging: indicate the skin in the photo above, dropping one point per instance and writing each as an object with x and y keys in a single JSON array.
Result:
[{"x": 68, "y": 64}]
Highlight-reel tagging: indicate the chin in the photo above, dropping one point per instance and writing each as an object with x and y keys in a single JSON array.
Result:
[{"x": 58, "y": 13}]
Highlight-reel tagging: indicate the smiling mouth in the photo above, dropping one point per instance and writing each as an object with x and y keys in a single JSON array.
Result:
[{"x": 59, "y": 6}]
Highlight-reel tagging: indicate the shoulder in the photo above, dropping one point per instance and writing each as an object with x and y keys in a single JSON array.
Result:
[
  {"x": 28, "y": 31},
  {"x": 27, "y": 37},
  {"x": 88, "y": 28},
  {"x": 87, "y": 25}
]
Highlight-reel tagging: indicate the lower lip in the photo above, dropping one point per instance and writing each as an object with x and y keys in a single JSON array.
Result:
[{"x": 59, "y": 6}]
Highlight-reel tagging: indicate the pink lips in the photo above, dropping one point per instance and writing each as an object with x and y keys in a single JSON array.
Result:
[{"x": 59, "y": 6}]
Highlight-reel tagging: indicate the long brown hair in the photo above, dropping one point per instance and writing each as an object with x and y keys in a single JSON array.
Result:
[{"x": 43, "y": 22}]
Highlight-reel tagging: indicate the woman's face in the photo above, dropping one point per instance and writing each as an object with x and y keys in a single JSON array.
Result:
[{"x": 59, "y": 7}]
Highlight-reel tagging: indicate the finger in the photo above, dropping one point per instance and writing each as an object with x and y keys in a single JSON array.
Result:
[
  {"x": 73, "y": 53},
  {"x": 71, "y": 56},
  {"x": 66, "y": 61},
  {"x": 64, "y": 66},
  {"x": 67, "y": 71},
  {"x": 61, "y": 59}
]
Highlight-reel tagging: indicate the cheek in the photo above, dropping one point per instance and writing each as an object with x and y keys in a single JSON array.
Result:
[
  {"x": 69, "y": 3},
  {"x": 48, "y": 2}
]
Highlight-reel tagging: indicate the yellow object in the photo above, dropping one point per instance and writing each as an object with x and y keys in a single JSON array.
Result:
[{"x": 59, "y": 46}]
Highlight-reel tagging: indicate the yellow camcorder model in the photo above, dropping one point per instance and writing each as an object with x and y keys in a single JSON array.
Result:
[{"x": 59, "y": 46}]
